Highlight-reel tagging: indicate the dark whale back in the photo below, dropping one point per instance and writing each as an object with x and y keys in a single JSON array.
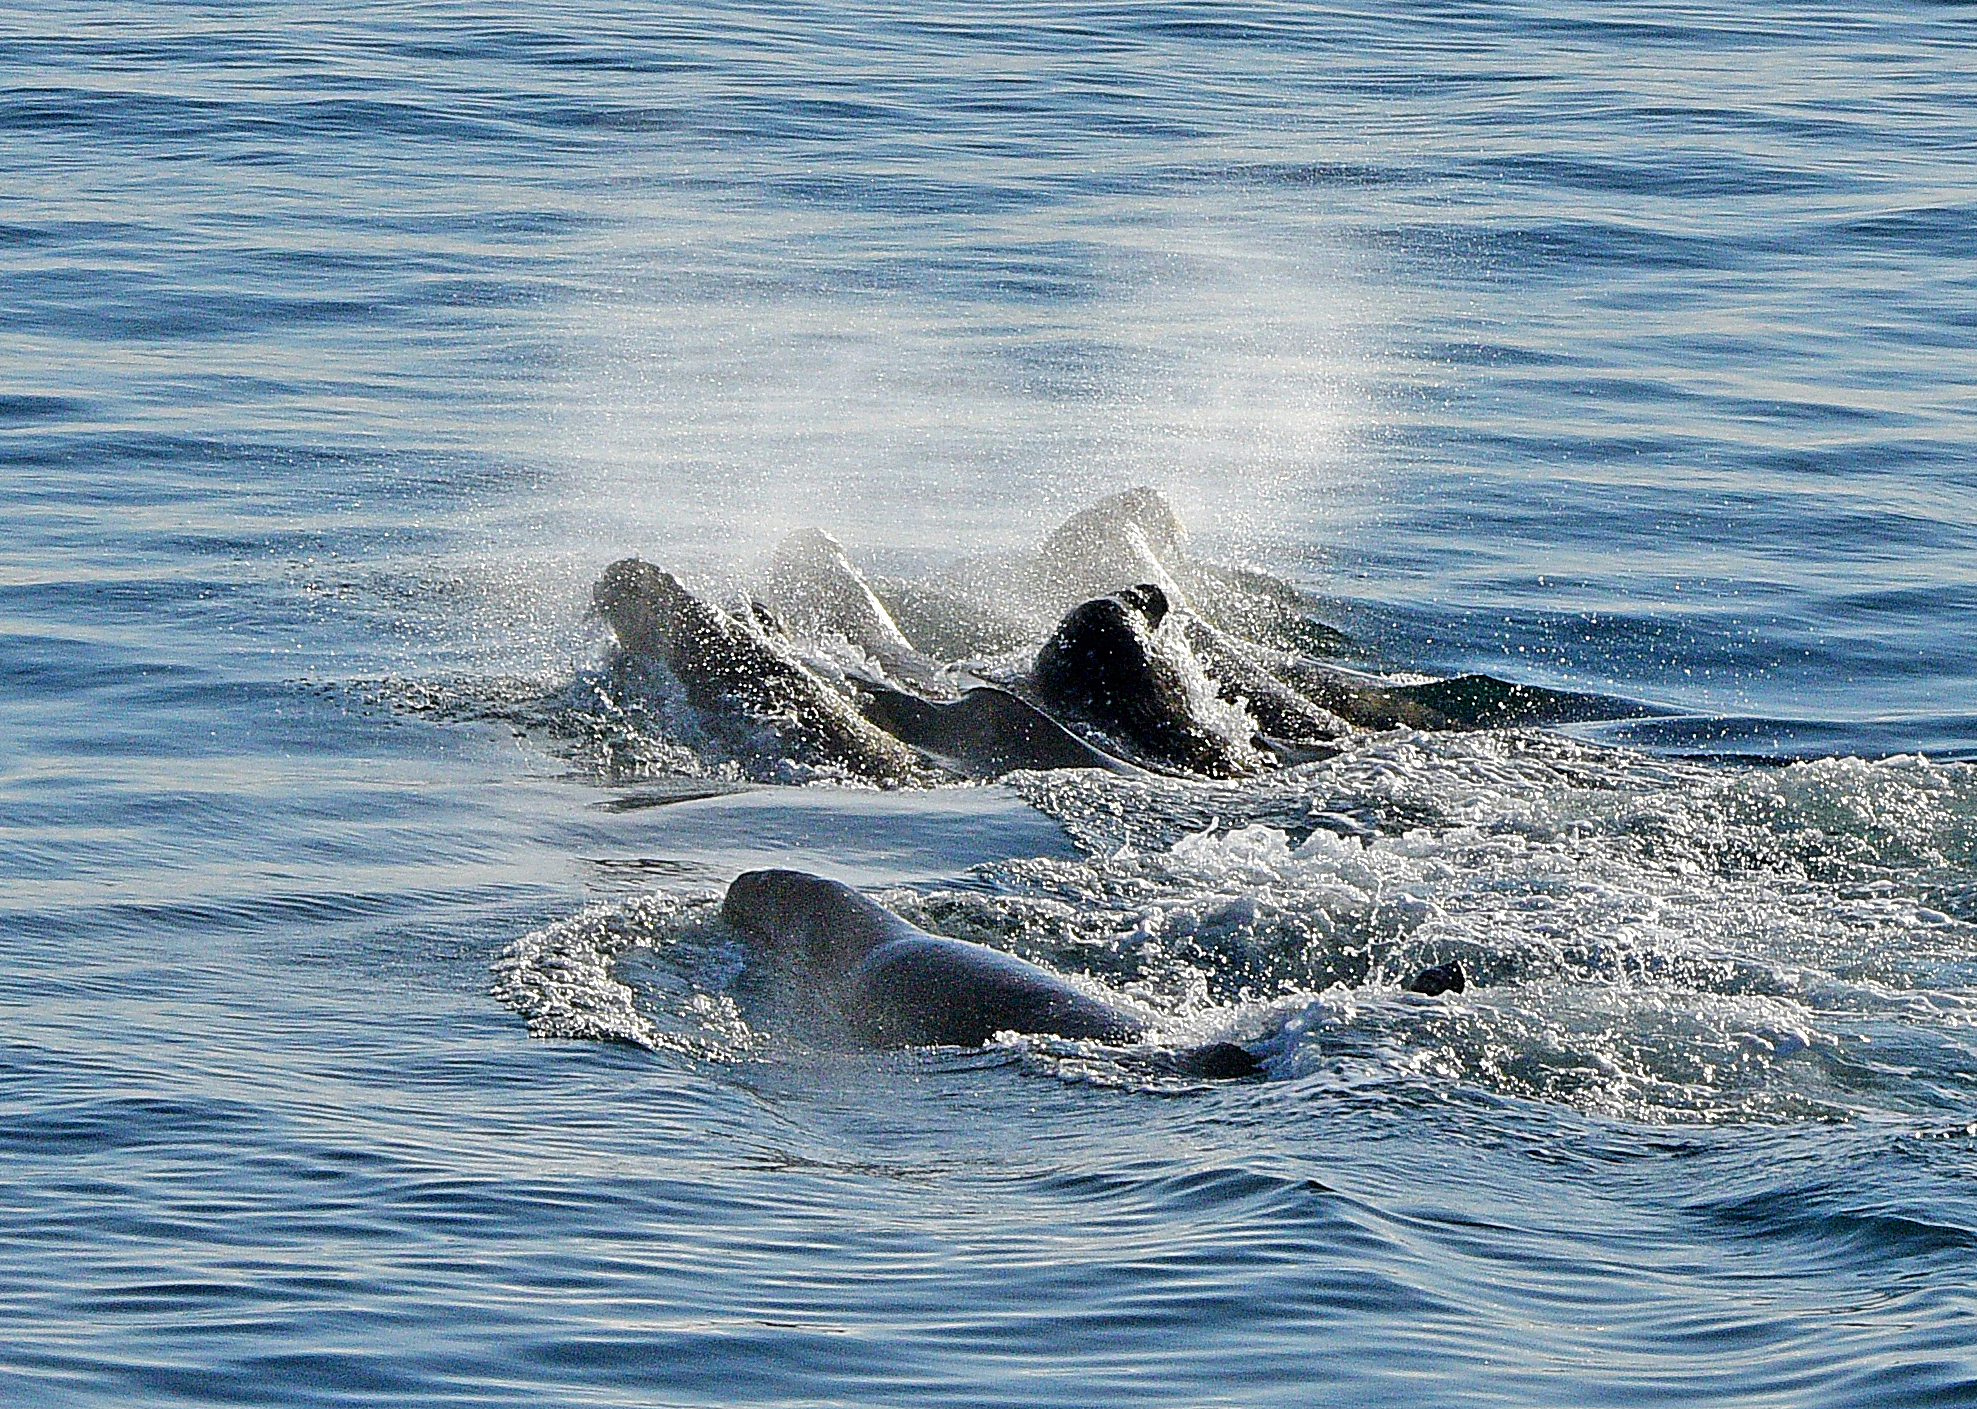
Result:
[
  {"x": 893, "y": 985},
  {"x": 1100, "y": 665},
  {"x": 821, "y": 924},
  {"x": 985, "y": 733},
  {"x": 890, "y": 984}
]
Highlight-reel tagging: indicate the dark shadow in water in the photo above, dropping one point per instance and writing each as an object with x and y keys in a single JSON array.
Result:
[
  {"x": 1750, "y": 739},
  {"x": 665, "y": 793}
]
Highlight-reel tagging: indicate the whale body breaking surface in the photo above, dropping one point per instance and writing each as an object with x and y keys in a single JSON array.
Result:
[
  {"x": 1157, "y": 665},
  {"x": 887, "y": 983},
  {"x": 1156, "y": 662}
]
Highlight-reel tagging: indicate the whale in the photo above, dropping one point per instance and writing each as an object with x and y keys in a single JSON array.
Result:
[
  {"x": 883, "y": 982},
  {"x": 738, "y": 675},
  {"x": 1182, "y": 667},
  {"x": 1101, "y": 665},
  {"x": 816, "y": 591},
  {"x": 1126, "y": 538}
]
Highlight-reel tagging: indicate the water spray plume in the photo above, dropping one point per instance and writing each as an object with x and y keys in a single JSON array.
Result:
[{"x": 699, "y": 427}]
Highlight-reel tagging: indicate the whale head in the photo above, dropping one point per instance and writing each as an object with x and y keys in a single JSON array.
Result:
[
  {"x": 644, "y": 606},
  {"x": 808, "y": 920}
]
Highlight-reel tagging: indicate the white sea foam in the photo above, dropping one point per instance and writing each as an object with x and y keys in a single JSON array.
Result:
[
  {"x": 567, "y": 979},
  {"x": 1655, "y": 939}
]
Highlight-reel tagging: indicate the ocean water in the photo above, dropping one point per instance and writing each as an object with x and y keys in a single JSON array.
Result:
[{"x": 368, "y": 1035}]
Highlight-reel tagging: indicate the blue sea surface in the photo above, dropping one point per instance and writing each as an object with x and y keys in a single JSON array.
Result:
[{"x": 369, "y": 1037}]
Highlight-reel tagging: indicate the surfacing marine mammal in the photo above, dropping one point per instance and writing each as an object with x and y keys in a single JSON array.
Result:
[
  {"x": 1101, "y": 664},
  {"x": 823, "y": 673},
  {"x": 887, "y": 983},
  {"x": 740, "y": 676},
  {"x": 745, "y": 677}
]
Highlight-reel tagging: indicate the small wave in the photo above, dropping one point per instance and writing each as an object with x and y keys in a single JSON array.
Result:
[
  {"x": 1843, "y": 1226},
  {"x": 99, "y": 1124},
  {"x": 567, "y": 979}
]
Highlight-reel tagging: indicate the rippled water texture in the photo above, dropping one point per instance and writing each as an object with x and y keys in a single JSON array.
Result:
[{"x": 369, "y": 1036}]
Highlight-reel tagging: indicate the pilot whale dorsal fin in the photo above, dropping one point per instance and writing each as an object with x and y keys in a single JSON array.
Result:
[
  {"x": 817, "y": 591},
  {"x": 1129, "y": 537}
]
